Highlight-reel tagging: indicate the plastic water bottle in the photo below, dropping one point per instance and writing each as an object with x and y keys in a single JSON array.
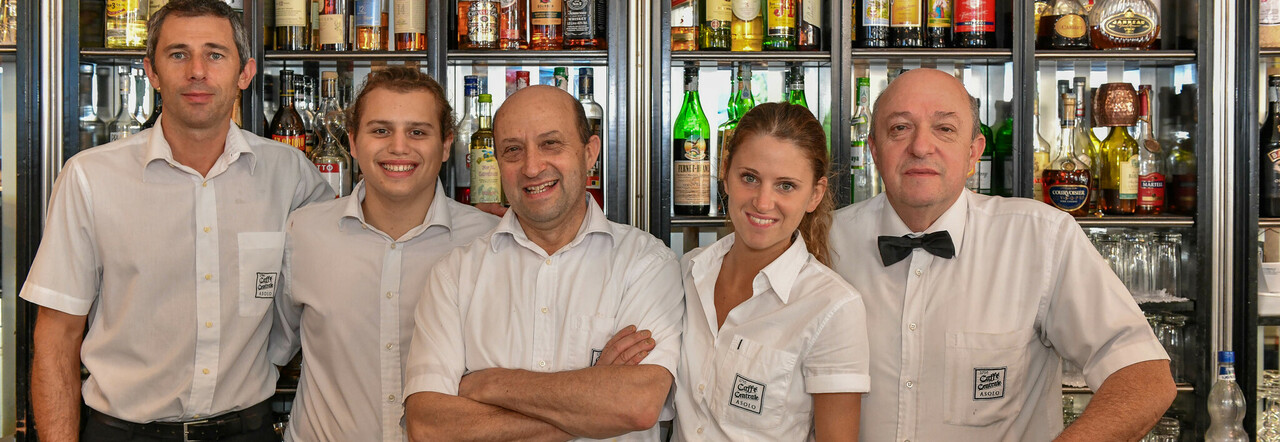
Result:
[{"x": 1226, "y": 404}]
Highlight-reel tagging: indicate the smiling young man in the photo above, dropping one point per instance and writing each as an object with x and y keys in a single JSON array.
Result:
[
  {"x": 527, "y": 312},
  {"x": 355, "y": 267},
  {"x": 973, "y": 301},
  {"x": 167, "y": 246}
]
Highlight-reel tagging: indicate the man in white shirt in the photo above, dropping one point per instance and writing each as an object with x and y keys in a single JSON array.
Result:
[
  {"x": 526, "y": 313},
  {"x": 356, "y": 266},
  {"x": 167, "y": 246},
  {"x": 972, "y": 301}
]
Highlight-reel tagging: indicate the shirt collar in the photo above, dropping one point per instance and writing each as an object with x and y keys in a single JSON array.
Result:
[
  {"x": 953, "y": 221},
  {"x": 158, "y": 149},
  {"x": 594, "y": 222},
  {"x": 438, "y": 213},
  {"x": 781, "y": 274}
]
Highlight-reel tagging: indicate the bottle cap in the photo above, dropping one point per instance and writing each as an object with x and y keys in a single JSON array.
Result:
[
  {"x": 486, "y": 98},
  {"x": 1226, "y": 357}
]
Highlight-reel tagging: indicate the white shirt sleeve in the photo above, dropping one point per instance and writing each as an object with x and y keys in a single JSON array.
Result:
[
  {"x": 66, "y": 273},
  {"x": 838, "y": 360},
  {"x": 285, "y": 340},
  {"x": 1091, "y": 319},
  {"x": 311, "y": 186},
  {"x": 437, "y": 358},
  {"x": 654, "y": 301}
]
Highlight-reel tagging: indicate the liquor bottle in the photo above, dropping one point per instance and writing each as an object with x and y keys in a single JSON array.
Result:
[
  {"x": 410, "y": 20},
  {"x": 140, "y": 96},
  {"x": 584, "y": 24},
  {"x": 684, "y": 25},
  {"x": 1002, "y": 159},
  {"x": 464, "y": 24},
  {"x": 1123, "y": 24},
  {"x": 724, "y": 133},
  {"x": 287, "y": 126},
  {"x": 980, "y": 180},
  {"x": 1041, "y": 9},
  {"x": 467, "y": 126},
  {"x": 291, "y": 25},
  {"x": 937, "y": 32},
  {"x": 512, "y": 24},
  {"x": 974, "y": 23},
  {"x": 809, "y": 33},
  {"x": 268, "y": 22},
  {"x": 1120, "y": 169},
  {"x": 371, "y": 25},
  {"x": 780, "y": 25},
  {"x": 691, "y": 171},
  {"x": 1181, "y": 171},
  {"x": 306, "y": 107},
  {"x": 595, "y": 119},
  {"x": 1151, "y": 175},
  {"x": 126, "y": 24},
  {"x": 314, "y": 13},
  {"x": 1042, "y": 154},
  {"x": 746, "y": 33},
  {"x": 93, "y": 131},
  {"x": 717, "y": 17},
  {"x": 1066, "y": 182},
  {"x": 866, "y": 178},
  {"x": 547, "y": 20},
  {"x": 155, "y": 114},
  {"x": 795, "y": 87},
  {"x": 334, "y": 22},
  {"x": 154, "y": 6},
  {"x": 1269, "y": 157},
  {"x": 875, "y": 23},
  {"x": 560, "y": 79},
  {"x": 486, "y": 181},
  {"x": 1088, "y": 146},
  {"x": 1268, "y": 23},
  {"x": 904, "y": 24},
  {"x": 853, "y": 24},
  {"x": 92, "y": 22},
  {"x": 746, "y": 100},
  {"x": 1226, "y": 404},
  {"x": 333, "y": 162},
  {"x": 482, "y": 25},
  {"x": 1064, "y": 27},
  {"x": 124, "y": 124}
]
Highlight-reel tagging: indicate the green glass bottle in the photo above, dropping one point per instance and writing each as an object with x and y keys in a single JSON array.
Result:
[
  {"x": 779, "y": 25},
  {"x": 723, "y": 133},
  {"x": 980, "y": 180},
  {"x": 746, "y": 100},
  {"x": 717, "y": 18},
  {"x": 795, "y": 87},
  {"x": 1002, "y": 161},
  {"x": 691, "y": 168}
]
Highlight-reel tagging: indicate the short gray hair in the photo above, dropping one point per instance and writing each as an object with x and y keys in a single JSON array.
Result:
[
  {"x": 199, "y": 8},
  {"x": 974, "y": 104}
]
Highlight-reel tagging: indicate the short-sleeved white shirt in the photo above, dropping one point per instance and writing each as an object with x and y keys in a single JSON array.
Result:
[
  {"x": 347, "y": 300},
  {"x": 503, "y": 302},
  {"x": 802, "y": 332},
  {"x": 175, "y": 271},
  {"x": 970, "y": 348}
]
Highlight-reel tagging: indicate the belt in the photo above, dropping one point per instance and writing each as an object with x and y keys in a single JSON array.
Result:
[{"x": 214, "y": 428}]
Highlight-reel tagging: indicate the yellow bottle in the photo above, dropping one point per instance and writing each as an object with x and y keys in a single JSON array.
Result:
[
  {"x": 126, "y": 24},
  {"x": 747, "y": 30}
]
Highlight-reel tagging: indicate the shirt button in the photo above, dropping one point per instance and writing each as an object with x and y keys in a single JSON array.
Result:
[
  {"x": 393, "y": 246},
  {"x": 391, "y": 398},
  {"x": 701, "y": 387},
  {"x": 389, "y": 295},
  {"x": 544, "y": 309},
  {"x": 542, "y": 363},
  {"x": 205, "y": 371},
  {"x": 204, "y": 184},
  {"x": 389, "y": 345},
  {"x": 548, "y": 261},
  {"x": 919, "y": 272},
  {"x": 910, "y": 384},
  {"x": 912, "y": 326},
  {"x": 208, "y": 276},
  {"x": 699, "y": 430},
  {"x": 207, "y": 229},
  {"x": 208, "y": 324}
]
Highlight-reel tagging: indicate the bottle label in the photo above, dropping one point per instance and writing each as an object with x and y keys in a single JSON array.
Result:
[
  {"x": 975, "y": 16},
  {"x": 719, "y": 13},
  {"x": 982, "y": 175},
  {"x": 291, "y": 13},
  {"x": 1274, "y": 156},
  {"x": 1129, "y": 178},
  {"x": 905, "y": 14},
  {"x": 939, "y": 14},
  {"x": 857, "y": 148},
  {"x": 486, "y": 181},
  {"x": 746, "y": 10},
  {"x": 410, "y": 16},
  {"x": 1039, "y": 164},
  {"x": 691, "y": 183},
  {"x": 369, "y": 13},
  {"x": 876, "y": 13},
  {"x": 1068, "y": 197},
  {"x": 1128, "y": 24},
  {"x": 334, "y": 175},
  {"x": 546, "y": 12},
  {"x": 1151, "y": 190},
  {"x": 782, "y": 14},
  {"x": 120, "y": 8},
  {"x": 483, "y": 26},
  {"x": 579, "y": 18},
  {"x": 1070, "y": 26},
  {"x": 811, "y": 12},
  {"x": 1184, "y": 191},
  {"x": 1269, "y": 12},
  {"x": 297, "y": 141},
  {"x": 332, "y": 29}
]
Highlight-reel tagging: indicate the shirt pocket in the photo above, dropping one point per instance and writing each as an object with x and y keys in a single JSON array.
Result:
[
  {"x": 261, "y": 255},
  {"x": 589, "y": 335},
  {"x": 751, "y": 385},
  {"x": 986, "y": 375}
]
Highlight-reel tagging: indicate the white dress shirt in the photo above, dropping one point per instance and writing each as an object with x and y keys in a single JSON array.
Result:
[
  {"x": 802, "y": 332},
  {"x": 970, "y": 348},
  {"x": 175, "y": 271},
  {"x": 503, "y": 302},
  {"x": 347, "y": 299}
]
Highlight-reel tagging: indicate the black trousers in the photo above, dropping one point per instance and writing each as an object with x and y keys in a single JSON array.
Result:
[{"x": 95, "y": 430}]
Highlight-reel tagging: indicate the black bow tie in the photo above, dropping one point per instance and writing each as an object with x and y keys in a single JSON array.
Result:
[{"x": 897, "y": 248}]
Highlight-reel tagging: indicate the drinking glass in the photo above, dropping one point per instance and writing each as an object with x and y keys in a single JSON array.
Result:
[
  {"x": 1168, "y": 259},
  {"x": 1170, "y": 333}
]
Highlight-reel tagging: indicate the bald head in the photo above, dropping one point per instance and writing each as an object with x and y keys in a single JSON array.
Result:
[
  {"x": 931, "y": 82},
  {"x": 543, "y": 98}
]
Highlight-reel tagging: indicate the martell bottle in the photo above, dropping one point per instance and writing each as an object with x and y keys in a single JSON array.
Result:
[
  {"x": 584, "y": 26},
  {"x": 1063, "y": 27},
  {"x": 1066, "y": 182},
  {"x": 1114, "y": 107},
  {"x": 595, "y": 119},
  {"x": 691, "y": 168},
  {"x": 904, "y": 24},
  {"x": 1151, "y": 176},
  {"x": 512, "y": 25},
  {"x": 747, "y": 30},
  {"x": 1269, "y": 157},
  {"x": 287, "y": 126},
  {"x": 809, "y": 35},
  {"x": 875, "y": 23},
  {"x": 292, "y": 29},
  {"x": 975, "y": 23},
  {"x": 1123, "y": 24},
  {"x": 410, "y": 19},
  {"x": 937, "y": 26},
  {"x": 482, "y": 25},
  {"x": 780, "y": 25},
  {"x": 371, "y": 25},
  {"x": 717, "y": 18},
  {"x": 467, "y": 126},
  {"x": 547, "y": 30},
  {"x": 486, "y": 181}
]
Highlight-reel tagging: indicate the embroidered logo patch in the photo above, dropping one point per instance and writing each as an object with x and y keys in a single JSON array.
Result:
[
  {"x": 595, "y": 356},
  {"x": 266, "y": 285},
  {"x": 988, "y": 382},
  {"x": 747, "y": 394}
]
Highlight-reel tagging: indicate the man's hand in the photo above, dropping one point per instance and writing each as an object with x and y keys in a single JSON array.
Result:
[{"x": 628, "y": 347}]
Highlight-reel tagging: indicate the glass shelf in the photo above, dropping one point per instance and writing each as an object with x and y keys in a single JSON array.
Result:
[
  {"x": 1137, "y": 221},
  {"x": 753, "y": 57},
  {"x": 1170, "y": 307},
  {"x": 103, "y": 53},
  {"x": 347, "y": 55},
  {"x": 525, "y": 58},
  {"x": 1181, "y": 386},
  {"x": 987, "y": 55},
  {"x": 698, "y": 221}
]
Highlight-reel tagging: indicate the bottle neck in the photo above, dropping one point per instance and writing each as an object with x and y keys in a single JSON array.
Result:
[
  {"x": 1226, "y": 372},
  {"x": 484, "y": 119}
]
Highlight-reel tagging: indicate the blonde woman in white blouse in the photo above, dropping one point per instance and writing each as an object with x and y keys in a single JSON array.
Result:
[{"x": 775, "y": 343}]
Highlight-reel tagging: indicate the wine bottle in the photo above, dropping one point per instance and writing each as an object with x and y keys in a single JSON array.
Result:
[
  {"x": 875, "y": 23},
  {"x": 724, "y": 133},
  {"x": 747, "y": 29},
  {"x": 292, "y": 33},
  {"x": 809, "y": 33},
  {"x": 975, "y": 23},
  {"x": 938, "y": 25},
  {"x": 691, "y": 171},
  {"x": 1269, "y": 157},
  {"x": 334, "y": 26},
  {"x": 780, "y": 25},
  {"x": 717, "y": 18},
  {"x": 904, "y": 24},
  {"x": 1120, "y": 170}
]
